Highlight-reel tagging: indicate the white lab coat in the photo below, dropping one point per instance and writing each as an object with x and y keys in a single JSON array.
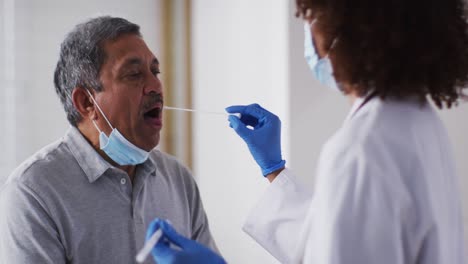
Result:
[{"x": 386, "y": 192}]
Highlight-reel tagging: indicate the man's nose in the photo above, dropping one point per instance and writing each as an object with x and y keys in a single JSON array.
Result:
[{"x": 153, "y": 85}]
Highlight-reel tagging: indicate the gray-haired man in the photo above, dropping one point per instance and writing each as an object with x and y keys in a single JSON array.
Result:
[{"x": 89, "y": 197}]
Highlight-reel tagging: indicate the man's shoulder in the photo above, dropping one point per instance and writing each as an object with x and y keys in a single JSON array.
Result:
[{"x": 43, "y": 163}]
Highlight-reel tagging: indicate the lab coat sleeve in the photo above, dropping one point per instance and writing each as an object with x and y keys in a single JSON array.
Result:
[
  {"x": 28, "y": 234},
  {"x": 276, "y": 220}
]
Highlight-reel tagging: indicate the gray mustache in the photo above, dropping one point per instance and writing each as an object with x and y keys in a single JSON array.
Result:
[{"x": 152, "y": 100}]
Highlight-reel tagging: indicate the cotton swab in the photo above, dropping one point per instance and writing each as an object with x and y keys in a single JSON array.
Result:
[
  {"x": 150, "y": 243},
  {"x": 197, "y": 111}
]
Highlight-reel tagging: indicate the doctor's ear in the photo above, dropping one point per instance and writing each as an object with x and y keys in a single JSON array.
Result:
[{"x": 83, "y": 103}]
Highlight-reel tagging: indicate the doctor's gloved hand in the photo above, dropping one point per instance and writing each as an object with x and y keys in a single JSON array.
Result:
[
  {"x": 261, "y": 130},
  {"x": 188, "y": 251}
]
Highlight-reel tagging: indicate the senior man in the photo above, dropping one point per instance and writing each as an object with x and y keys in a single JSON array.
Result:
[{"x": 89, "y": 197}]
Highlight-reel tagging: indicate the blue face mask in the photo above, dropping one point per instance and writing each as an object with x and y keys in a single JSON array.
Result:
[
  {"x": 117, "y": 147},
  {"x": 320, "y": 67}
]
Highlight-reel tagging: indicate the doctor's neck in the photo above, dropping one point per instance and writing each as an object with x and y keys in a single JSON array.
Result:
[
  {"x": 352, "y": 98},
  {"x": 351, "y": 93}
]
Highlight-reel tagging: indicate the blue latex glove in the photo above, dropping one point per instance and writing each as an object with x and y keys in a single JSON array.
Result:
[
  {"x": 264, "y": 140},
  {"x": 189, "y": 250}
]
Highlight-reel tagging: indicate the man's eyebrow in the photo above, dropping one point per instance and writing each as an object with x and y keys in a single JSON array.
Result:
[
  {"x": 132, "y": 61},
  {"x": 138, "y": 61}
]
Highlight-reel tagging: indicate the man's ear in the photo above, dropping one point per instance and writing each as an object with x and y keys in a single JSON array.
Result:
[{"x": 83, "y": 103}]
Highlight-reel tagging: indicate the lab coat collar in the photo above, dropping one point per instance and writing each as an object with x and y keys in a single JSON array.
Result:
[
  {"x": 356, "y": 105},
  {"x": 360, "y": 103}
]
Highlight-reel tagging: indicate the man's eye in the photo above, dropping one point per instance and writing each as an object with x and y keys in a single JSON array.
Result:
[
  {"x": 155, "y": 72},
  {"x": 134, "y": 75}
]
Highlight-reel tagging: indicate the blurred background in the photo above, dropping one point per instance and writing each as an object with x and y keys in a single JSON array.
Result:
[{"x": 213, "y": 54}]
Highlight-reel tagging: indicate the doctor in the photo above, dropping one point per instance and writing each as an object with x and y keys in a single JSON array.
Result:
[{"x": 386, "y": 189}]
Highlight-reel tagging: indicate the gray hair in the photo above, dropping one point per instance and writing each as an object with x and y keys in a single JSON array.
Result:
[{"x": 82, "y": 55}]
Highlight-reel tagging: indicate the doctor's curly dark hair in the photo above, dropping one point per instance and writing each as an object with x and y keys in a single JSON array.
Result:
[{"x": 400, "y": 48}]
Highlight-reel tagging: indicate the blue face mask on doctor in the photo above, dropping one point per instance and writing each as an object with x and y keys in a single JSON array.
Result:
[
  {"x": 117, "y": 147},
  {"x": 321, "y": 67}
]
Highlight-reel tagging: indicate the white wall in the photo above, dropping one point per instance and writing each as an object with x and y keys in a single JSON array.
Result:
[
  {"x": 240, "y": 57},
  {"x": 315, "y": 111},
  {"x": 40, "y": 27}
]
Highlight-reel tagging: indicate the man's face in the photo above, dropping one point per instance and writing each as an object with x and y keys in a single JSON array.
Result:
[{"x": 132, "y": 97}]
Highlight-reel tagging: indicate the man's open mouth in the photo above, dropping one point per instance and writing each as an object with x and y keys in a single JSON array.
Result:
[{"x": 153, "y": 112}]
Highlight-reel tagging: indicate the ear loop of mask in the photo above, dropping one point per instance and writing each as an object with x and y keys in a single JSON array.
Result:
[
  {"x": 333, "y": 42},
  {"x": 332, "y": 46},
  {"x": 100, "y": 110}
]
